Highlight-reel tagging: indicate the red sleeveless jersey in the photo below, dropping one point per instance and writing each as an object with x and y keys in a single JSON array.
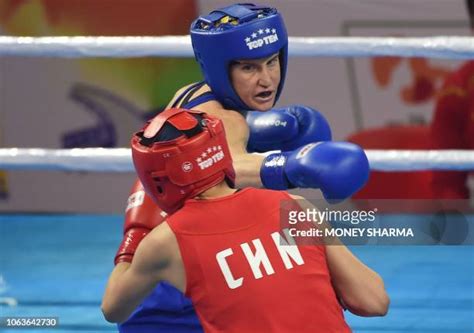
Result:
[{"x": 241, "y": 278}]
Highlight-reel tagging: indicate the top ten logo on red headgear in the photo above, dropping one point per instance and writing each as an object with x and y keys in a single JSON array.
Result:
[{"x": 210, "y": 156}]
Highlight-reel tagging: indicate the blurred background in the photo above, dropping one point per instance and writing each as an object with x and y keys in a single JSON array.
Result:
[
  {"x": 59, "y": 231},
  {"x": 383, "y": 102}
]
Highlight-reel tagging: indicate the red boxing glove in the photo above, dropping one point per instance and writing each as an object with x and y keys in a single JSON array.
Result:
[{"x": 141, "y": 216}]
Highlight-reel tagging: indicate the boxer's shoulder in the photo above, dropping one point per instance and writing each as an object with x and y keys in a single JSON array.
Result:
[
  {"x": 163, "y": 233},
  {"x": 236, "y": 127},
  {"x": 179, "y": 94},
  {"x": 237, "y": 130}
]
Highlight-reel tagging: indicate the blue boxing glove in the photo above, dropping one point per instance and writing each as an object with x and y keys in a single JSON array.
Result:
[
  {"x": 286, "y": 129},
  {"x": 338, "y": 169}
]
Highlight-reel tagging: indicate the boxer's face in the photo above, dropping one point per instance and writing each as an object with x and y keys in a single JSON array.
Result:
[{"x": 256, "y": 81}]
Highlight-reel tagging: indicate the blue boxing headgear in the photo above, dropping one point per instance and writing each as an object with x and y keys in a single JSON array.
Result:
[{"x": 242, "y": 31}]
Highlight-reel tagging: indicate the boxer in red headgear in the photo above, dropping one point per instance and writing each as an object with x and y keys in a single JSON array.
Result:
[
  {"x": 183, "y": 162},
  {"x": 194, "y": 175},
  {"x": 242, "y": 51},
  {"x": 173, "y": 171}
]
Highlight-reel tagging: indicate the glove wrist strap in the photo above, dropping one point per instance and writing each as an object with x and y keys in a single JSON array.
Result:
[{"x": 272, "y": 172}]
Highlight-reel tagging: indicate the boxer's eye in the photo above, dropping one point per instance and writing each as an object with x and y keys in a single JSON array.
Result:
[{"x": 247, "y": 68}]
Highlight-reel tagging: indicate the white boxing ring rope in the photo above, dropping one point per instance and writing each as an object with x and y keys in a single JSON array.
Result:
[
  {"x": 448, "y": 47},
  {"x": 119, "y": 159}
]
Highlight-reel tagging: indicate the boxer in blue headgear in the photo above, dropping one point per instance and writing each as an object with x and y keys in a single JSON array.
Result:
[
  {"x": 243, "y": 51},
  {"x": 234, "y": 33}
]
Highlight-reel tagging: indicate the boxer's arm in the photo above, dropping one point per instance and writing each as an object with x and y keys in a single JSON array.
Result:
[
  {"x": 360, "y": 289},
  {"x": 247, "y": 166},
  {"x": 130, "y": 283},
  {"x": 338, "y": 169},
  {"x": 271, "y": 172},
  {"x": 141, "y": 216}
]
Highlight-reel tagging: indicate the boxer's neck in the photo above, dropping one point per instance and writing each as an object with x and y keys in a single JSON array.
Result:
[{"x": 220, "y": 190}]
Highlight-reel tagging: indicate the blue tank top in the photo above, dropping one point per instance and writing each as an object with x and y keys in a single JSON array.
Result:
[{"x": 166, "y": 309}]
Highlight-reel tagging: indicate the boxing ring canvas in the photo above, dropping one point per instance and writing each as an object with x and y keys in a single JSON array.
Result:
[{"x": 57, "y": 265}]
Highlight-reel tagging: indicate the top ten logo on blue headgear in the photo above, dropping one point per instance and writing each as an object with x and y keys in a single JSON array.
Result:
[{"x": 261, "y": 37}]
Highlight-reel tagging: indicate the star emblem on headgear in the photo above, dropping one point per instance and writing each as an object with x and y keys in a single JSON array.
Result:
[{"x": 256, "y": 34}]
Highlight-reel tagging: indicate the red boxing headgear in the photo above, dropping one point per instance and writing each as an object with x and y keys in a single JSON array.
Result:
[{"x": 175, "y": 170}]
